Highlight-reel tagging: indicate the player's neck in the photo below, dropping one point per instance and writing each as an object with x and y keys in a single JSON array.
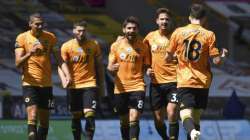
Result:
[
  {"x": 81, "y": 41},
  {"x": 131, "y": 41},
  {"x": 35, "y": 34},
  {"x": 163, "y": 32},
  {"x": 195, "y": 21}
]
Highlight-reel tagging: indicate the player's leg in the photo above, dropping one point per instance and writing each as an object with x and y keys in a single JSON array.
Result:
[
  {"x": 187, "y": 103},
  {"x": 201, "y": 99},
  {"x": 30, "y": 99},
  {"x": 44, "y": 105},
  {"x": 172, "y": 111},
  {"x": 89, "y": 105},
  {"x": 136, "y": 104},
  {"x": 156, "y": 99},
  {"x": 121, "y": 107},
  {"x": 75, "y": 105},
  {"x": 32, "y": 122},
  {"x": 43, "y": 115}
]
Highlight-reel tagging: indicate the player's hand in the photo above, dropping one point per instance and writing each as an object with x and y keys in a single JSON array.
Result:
[
  {"x": 67, "y": 82},
  {"x": 34, "y": 49},
  {"x": 114, "y": 67},
  {"x": 150, "y": 72},
  {"x": 224, "y": 53},
  {"x": 168, "y": 57}
]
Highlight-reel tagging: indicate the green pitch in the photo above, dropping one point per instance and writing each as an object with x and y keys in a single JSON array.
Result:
[{"x": 17, "y": 130}]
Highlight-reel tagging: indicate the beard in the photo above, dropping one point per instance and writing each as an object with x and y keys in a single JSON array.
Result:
[
  {"x": 131, "y": 36},
  {"x": 168, "y": 27},
  {"x": 80, "y": 38}
]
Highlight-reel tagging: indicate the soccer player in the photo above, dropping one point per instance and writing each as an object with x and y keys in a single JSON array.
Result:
[
  {"x": 33, "y": 51},
  {"x": 194, "y": 45},
  {"x": 128, "y": 59},
  {"x": 163, "y": 97},
  {"x": 83, "y": 56}
]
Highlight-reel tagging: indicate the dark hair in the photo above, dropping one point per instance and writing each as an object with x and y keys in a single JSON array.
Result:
[
  {"x": 80, "y": 23},
  {"x": 35, "y": 15},
  {"x": 130, "y": 19},
  {"x": 197, "y": 11},
  {"x": 163, "y": 10}
]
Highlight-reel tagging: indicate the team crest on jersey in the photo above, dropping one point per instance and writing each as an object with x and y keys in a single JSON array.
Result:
[
  {"x": 154, "y": 47},
  {"x": 123, "y": 56},
  {"x": 27, "y": 99},
  {"x": 80, "y": 50},
  {"x": 129, "y": 50}
]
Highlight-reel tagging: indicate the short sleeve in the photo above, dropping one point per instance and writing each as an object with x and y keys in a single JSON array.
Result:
[
  {"x": 147, "y": 56},
  {"x": 112, "y": 56},
  {"x": 98, "y": 51},
  {"x": 64, "y": 53},
  {"x": 20, "y": 42},
  {"x": 173, "y": 43}
]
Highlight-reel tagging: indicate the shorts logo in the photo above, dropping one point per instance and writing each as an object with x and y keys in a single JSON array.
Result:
[
  {"x": 140, "y": 104},
  {"x": 123, "y": 56},
  {"x": 27, "y": 99}
]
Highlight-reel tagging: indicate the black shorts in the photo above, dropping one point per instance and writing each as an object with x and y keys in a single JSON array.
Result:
[
  {"x": 193, "y": 97},
  {"x": 161, "y": 94},
  {"x": 125, "y": 101},
  {"x": 40, "y": 96},
  {"x": 78, "y": 99}
]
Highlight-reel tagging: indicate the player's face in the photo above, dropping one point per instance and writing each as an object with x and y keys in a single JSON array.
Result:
[
  {"x": 130, "y": 31},
  {"x": 36, "y": 25},
  {"x": 163, "y": 21},
  {"x": 79, "y": 32}
]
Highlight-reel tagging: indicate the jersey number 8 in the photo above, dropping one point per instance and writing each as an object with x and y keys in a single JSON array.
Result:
[{"x": 192, "y": 49}]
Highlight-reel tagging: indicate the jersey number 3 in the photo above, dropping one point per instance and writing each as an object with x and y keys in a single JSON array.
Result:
[{"x": 192, "y": 49}]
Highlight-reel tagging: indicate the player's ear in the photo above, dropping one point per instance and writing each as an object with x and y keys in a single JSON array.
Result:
[
  {"x": 74, "y": 31},
  {"x": 157, "y": 21},
  {"x": 30, "y": 23},
  {"x": 123, "y": 30},
  {"x": 190, "y": 18}
]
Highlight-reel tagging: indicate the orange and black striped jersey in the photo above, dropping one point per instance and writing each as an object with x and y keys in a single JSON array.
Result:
[
  {"x": 163, "y": 72},
  {"x": 131, "y": 60},
  {"x": 81, "y": 62},
  {"x": 37, "y": 69},
  {"x": 193, "y": 46}
]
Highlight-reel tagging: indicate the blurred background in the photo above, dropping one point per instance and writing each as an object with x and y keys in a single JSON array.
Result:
[{"x": 228, "y": 113}]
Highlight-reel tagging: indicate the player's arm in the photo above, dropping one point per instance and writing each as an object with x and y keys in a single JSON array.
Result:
[
  {"x": 147, "y": 60},
  {"x": 20, "y": 55},
  {"x": 63, "y": 70},
  {"x": 113, "y": 66},
  {"x": 217, "y": 58},
  {"x": 100, "y": 74},
  {"x": 170, "y": 55}
]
